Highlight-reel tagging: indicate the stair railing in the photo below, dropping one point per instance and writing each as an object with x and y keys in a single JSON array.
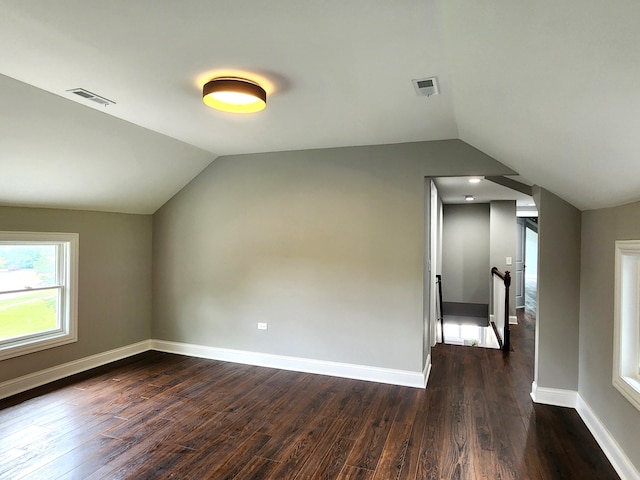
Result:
[
  {"x": 439, "y": 306},
  {"x": 500, "y": 318}
]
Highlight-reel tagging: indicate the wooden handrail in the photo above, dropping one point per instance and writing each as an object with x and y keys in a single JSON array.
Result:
[
  {"x": 506, "y": 276},
  {"x": 506, "y": 279},
  {"x": 440, "y": 309}
]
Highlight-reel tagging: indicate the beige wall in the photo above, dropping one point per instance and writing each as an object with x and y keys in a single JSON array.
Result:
[
  {"x": 600, "y": 229},
  {"x": 114, "y": 297},
  {"x": 326, "y": 246},
  {"x": 465, "y": 250},
  {"x": 558, "y": 303},
  {"x": 503, "y": 240}
]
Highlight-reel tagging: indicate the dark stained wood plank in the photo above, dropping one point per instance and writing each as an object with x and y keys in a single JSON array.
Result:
[
  {"x": 411, "y": 400},
  {"x": 330, "y": 465},
  {"x": 82, "y": 461},
  {"x": 412, "y": 453},
  {"x": 455, "y": 457},
  {"x": 43, "y": 450},
  {"x": 258, "y": 467},
  {"x": 354, "y": 473},
  {"x": 368, "y": 447},
  {"x": 308, "y": 446},
  {"x": 393, "y": 455},
  {"x": 227, "y": 461},
  {"x": 143, "y": 440},
  {"x": 428, "y": 465},
  {"x": 157, "y": 461}
]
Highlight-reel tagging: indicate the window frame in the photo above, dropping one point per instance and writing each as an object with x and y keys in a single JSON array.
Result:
[
  {"x": 67, "y": 261},
  {"x": 626, "y": 335}
]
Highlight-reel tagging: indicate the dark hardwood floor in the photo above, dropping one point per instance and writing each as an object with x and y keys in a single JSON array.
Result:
[{"x": 162, "y": 416}]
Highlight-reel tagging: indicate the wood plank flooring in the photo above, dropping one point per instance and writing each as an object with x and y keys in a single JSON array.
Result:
[{"x": 162, "y": 416}]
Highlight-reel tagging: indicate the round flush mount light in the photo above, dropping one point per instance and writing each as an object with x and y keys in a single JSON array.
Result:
[
  {"x": 469, "y": 198},
  {"x": 474, "y": 180},
  {"x": 236, "y": 95}
]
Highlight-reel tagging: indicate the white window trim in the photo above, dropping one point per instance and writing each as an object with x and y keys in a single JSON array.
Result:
[
  {"x": 626, "y": 330},
  {"x": 69, "y": 262}
]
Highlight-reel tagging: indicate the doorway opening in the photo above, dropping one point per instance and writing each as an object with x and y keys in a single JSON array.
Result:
[
  {"x": 531, "y": 266},
  {"x": 471, "y": 237}
]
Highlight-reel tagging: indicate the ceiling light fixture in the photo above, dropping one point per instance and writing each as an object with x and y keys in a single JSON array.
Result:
[
  {"x": 469, "y": 198},
  {"x": 474, "y": 180},
  {"x": 236, "y": 95}
]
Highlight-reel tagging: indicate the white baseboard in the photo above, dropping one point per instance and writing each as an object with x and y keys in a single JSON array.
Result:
[
  {"x": 553, "y": 396},
  {"x": 297, "y": 364},
  {"x": 321, "y": 367},
  {"x": 610, "y": 447},
  {"x": 33, "y": 380},
  {"x": 608, "y": 444},
  {"x": 426, "y": 372}
]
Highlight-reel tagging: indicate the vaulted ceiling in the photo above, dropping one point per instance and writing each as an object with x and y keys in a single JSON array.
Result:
[{"x": 548, "y": 88}]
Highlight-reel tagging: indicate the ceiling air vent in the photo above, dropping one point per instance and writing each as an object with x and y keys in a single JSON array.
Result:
[
  {"x": 86, "y": 94},
  {"x": 425, "y": 87}
]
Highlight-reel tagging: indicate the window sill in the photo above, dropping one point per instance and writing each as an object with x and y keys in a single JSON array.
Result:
[
  {"x": 10, "y": 350},
  {"x": 629, "y": 387}
]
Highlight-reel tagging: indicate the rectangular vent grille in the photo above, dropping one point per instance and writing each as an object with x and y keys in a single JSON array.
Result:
[
  {"x": 92, "y": 97},
  {"x": 425, "y": 87}
]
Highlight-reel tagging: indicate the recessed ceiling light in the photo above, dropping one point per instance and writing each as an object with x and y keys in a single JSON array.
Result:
[
  {"x": 236, "y": 95},
  {"x": 474, "y": 180},
  {"x": 469, "y": 198}
]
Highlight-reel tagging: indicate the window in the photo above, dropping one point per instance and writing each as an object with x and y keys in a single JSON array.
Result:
[
  {"x": 626, "y": 339},
  {"x": 38, "y": 291}
]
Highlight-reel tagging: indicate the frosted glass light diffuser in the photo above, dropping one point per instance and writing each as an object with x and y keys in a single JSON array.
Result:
[{"x": 236, "y": 95}]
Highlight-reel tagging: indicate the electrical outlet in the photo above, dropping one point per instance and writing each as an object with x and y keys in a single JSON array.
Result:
[{"x": 262, "y": 326}]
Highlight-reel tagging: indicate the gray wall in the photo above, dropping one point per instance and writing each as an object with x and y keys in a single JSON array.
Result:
[
  {"x": 503, "y": 239},
  {"x": 327, "y": 246},
  {"x": 114, "y": 297},
  {"x": 556, "y": 363},
  {"x": 600, "y": 230},
  {"x": 428, "y": 274},
  {"x": 465, "y": 253}
]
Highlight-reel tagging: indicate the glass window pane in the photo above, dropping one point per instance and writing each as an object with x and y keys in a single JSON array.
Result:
[
  {"x": 27, "y": 266},
  {"x": 26, "y": 313}
]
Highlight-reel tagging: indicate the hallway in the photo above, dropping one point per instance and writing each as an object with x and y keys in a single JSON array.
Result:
[{"x": 486, "y": 425}]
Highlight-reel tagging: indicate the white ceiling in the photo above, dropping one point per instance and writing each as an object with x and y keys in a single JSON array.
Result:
[
  {"x": 56, "y": 153},
  {"x": 548, "y": 88},
  {"x": 453, "y": 190}
]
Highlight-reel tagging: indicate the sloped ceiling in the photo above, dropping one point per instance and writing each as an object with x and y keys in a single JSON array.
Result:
[
  {"x": 550, "y": 89},
  {"x": 547, "y": 88},
  {"x": 57, "y": 153}
]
